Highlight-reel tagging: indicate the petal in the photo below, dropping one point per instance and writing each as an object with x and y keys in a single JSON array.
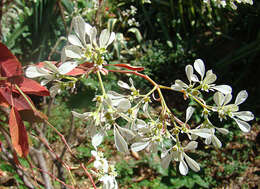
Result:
[
  {"x": 241, "y": 97},
  {"x": 189, "y": 72},
  {"x": 79, "y": 28},
  {"x": 183, "y": 167},
  {"x": 87, "y": 28},
  {"x": 74, "y": 40},
  {"x": 73, "y": 51},
  {"x": 127, "y": 133},
  {"x": 124, "y": 105},
  {"x": 93, "y": 36},
  {"x": 104, "y": 37},
  {"x": 244, "y": 115},
  {"x": 199, "y": 67},
  {"x": 210, "y": 77},
  {"x": 244, "y": 126},
  {"x": 97, "y": 139},
  {"x": 222, "y": 131},
  {"x": 181, "y": 83},
  {"x": 191, "y": 146},
  {"x": 33, "y": 72},
  {"x": 225, "y": 89},
  {"x": 189, "y": 113},
  {"x": 165, "y": 162},
  {"x": 123, "y": 84},
  {"x": 218, "y": 98},
  {"x": 216, "y": 142},
  {"x": 138, "y": 146},
  {"x": 67, "y": 67},
  {"x": 111, "y": 39},
  {"x": 192, "y": 163},
  {"x": 228, "y": 98},
  {"x": 120, "y": 142}
]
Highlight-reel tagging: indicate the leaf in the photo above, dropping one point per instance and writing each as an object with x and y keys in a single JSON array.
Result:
[
  {"x": 18, "y": 101},
  {"x": 9, "y": 64},
  {"x": 29, "y": 86},
  {"x": 137, "y": 34},
  {"x": 18, "y": 133},
  {"x": 120, "y": 142},
  {"x": 127, "y": 66}
]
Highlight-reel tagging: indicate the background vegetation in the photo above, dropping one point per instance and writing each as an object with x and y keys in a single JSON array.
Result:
[{"x": 164, "y": 36}]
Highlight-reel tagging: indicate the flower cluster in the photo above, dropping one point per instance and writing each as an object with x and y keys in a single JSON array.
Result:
[
  {"x": 104, "y": 172},
  {"x": 122, "y": 112},
  {"x": 231, "y": 3}
]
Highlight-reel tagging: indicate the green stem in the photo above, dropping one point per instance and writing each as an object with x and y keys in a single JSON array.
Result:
[{"x": 101, "y": 83}]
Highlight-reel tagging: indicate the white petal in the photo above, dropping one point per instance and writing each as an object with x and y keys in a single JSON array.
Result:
[
  {"x": 181, "y": 83},
  {"x": 81, "y": 116},
  {"x": 199, "y": 67},
  {"x": 228, "y": 98},
  {"x": 210, "y": 77},
  {"x": 189, "y": 72},
  {"x": 97, "y": 139},
  {"x": 74, "y": 40},
  {"x": 67, "y": 67},
  {"x": 216, "y": 142},
  {"x": 183, "y": 167},
  {"x": 111, "y": 39},
  {"x": 127, "y": 133},
  {"x": 208, "y": 140},
  {"x": 93, "y": 36},
  {"x": 33, "y": 72},
  {"x": 123, "y": 84},
  {"x": 138, "y": 146},
  {"x": 87, "y": 28},
  {"x": 120, "y": 142},
  {"x": 124, "y": 105},
  {"x": 104, "y": 37},
  {"x": 225, "y": 89},
  {"x": 218, "y": 98},
  {"x": 73, "y": 51},
  {"x": 244, "y": 115},
  {"x": 192, "y": 163},
  {"x": 176, "y": 87},
  {"x": 50, "y": 66},
  {"x": 244, "y": 126},
  {"x": 165, "y": 162},
  {"x": 189, "y": 113},
  {"x": 191, "y": 146},
  {"x": 223, "y": 131},
  {"x": 241, "y": 97},
  {"x": 204, "y": 133},
  {"x": 79, "y": 28}
]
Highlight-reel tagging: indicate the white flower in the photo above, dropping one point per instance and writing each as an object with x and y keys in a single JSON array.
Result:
[
  {"x": 109, "y": 182},
  {"x": 87, "y": 49},
  {"x": 177, "y": 153},
  {"x": 207, "y": 83},
  {"x": 232, "y": 110},
  {"x": 100, "y": 162},
  {"x": 49, "y": 70}
]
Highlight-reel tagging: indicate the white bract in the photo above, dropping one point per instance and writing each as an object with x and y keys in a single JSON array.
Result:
[
  {"x": 177, "y": 153},
  {"x": 232, "y": 110},
  {"x": 87, "y": 49},
  {"x": 49, "y": 71}
]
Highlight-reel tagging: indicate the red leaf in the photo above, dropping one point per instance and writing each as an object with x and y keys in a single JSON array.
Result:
[
  {"x": 75, "y": 72},
  {"x": 18, "y": 133},
  {"x": 127, "y": 66},
  {"x": 19, "y": 101},
  {"x": 29, "y": 86},
  {"x": 9, "y": 64}
]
